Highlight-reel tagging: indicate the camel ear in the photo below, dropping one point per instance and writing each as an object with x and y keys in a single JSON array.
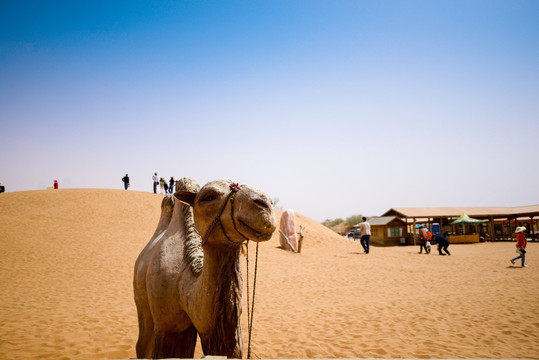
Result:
[{"x": 187, "y": 197}]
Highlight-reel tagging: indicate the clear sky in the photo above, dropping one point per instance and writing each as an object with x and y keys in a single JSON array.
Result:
[{"x": 335, "y": 107}]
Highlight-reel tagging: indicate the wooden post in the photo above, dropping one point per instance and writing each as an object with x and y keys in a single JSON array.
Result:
[
  {"x": 510, "y": 228},
  {"x": 492, "y": 228},
  {"x": 532, "y": 231},
  {"x": 415, "y": 237},
  {"x": 300, "y": 239}
]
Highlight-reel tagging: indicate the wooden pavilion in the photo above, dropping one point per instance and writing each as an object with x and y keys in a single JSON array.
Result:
[{"x": 501, "y": 224}]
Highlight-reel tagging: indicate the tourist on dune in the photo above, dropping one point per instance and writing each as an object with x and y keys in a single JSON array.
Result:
[
  {"x": 155, "y": 182},
  {"x": 125, "y": 179},
  {"x": 162, "y": 186},
  {"x": 171, "y": 185}
]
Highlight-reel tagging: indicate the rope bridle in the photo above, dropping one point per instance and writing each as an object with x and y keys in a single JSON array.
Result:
[{"x": 234, "y": 188}]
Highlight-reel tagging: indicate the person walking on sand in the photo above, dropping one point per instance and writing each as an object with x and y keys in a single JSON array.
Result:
[
  {"x": 2, "y": 188},
  {"x": 521, "y": 245},
  {"x": 125, "y": 179},
  {"x": 443, "y": 244},
  {"x": 365, "y": 229},
  {"x": 155, "y": 182}
]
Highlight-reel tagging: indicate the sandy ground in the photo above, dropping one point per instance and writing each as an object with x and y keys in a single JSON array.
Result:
[{"x": 66, "y": 269}]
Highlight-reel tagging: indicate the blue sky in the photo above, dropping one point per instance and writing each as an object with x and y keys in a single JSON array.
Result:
[{"x": 335, "y": 107}]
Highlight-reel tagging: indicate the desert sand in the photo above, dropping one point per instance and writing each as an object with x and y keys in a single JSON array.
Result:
[{"x": 66, "y": 271}]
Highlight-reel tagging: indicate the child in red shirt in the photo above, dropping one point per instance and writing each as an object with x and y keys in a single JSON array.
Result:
[{"x": 521, "y": 245}]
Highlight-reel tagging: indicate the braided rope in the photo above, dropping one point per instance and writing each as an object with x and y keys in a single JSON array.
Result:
[{"x": 248, "y": 302}]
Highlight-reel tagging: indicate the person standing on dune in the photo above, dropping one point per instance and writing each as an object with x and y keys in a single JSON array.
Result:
[
  {"x": 125, "y": 179},
  {"x": 155, "y": 182}
]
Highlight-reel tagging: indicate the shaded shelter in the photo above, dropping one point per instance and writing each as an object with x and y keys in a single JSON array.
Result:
[
  {"x": 465, "y": 219},
  {"x": 501, "y": 220}
]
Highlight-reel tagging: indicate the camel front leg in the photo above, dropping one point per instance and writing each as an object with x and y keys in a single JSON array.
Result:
[
  {"x": 221, "y": 344},
  {"x": 145, "y": 338},
  {"x": 175, "y": 345}
]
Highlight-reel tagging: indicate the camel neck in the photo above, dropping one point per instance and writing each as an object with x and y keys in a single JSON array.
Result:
[
  {"x": 220, "y": 288},
  {"x": 222, "y": 266}
]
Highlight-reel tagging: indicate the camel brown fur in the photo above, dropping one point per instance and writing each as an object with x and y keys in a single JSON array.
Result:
[{"x": 186, "y": 283}]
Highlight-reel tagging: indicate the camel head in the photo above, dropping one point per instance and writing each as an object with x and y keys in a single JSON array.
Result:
[{"x": 230, "y": 213}]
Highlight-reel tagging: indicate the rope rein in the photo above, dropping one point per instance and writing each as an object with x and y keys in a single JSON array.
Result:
[{"x": 250, "y": 311}]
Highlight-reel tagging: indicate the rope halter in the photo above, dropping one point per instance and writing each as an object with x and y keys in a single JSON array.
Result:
[{"x": 234, "y": 188}]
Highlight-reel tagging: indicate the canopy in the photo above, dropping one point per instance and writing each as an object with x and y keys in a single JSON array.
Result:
[{"x": 465, "y": 219}]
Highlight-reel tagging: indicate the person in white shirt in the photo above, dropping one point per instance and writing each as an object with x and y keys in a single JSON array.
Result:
[
  {"x": 155, "y": 182},
  {"x": 365, "y": 229}
]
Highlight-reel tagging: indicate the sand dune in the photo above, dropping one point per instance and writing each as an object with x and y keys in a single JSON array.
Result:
[{"x": 66, "y": 274}]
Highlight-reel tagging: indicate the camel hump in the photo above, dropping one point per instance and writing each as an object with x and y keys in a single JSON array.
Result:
[
  {"x": 187, "y": 184},
  {"x": 167, "y": 205},
  {"x": 167, "y": 208}
]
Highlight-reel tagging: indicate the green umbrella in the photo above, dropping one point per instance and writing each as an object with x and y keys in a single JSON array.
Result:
[{"x": 465, "y": 219}]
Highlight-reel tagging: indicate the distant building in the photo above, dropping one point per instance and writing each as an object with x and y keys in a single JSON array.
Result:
[
  {"x": 501, "y": 224},
  {"x": 388, "y": 230}
]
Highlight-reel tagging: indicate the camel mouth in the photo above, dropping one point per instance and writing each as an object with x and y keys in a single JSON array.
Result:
[{"x": 254, "y": 234}]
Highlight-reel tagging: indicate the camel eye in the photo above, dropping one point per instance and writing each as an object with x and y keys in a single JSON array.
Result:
[{"x": 209, "y": 197}]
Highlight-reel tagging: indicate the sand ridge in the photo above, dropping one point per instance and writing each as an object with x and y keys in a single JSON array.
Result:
[{"x": 67, "y": 266}]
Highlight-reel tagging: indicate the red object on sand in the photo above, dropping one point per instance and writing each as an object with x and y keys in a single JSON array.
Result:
[{"x": 288, "y": 227}]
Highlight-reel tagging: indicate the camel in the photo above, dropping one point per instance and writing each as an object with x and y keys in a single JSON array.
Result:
[{"x": 187, "y": 284}]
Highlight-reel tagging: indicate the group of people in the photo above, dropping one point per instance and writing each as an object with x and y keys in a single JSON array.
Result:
[
  {"x": 425, "y": 238},
  {"x": 162, "y": 185},
  {"x": 159, "y": 184}
]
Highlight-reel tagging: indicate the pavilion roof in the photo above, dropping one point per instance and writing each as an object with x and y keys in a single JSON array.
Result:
[
  {"x": 382, "y": 220},
  {"x": 473, "y": 211}
]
